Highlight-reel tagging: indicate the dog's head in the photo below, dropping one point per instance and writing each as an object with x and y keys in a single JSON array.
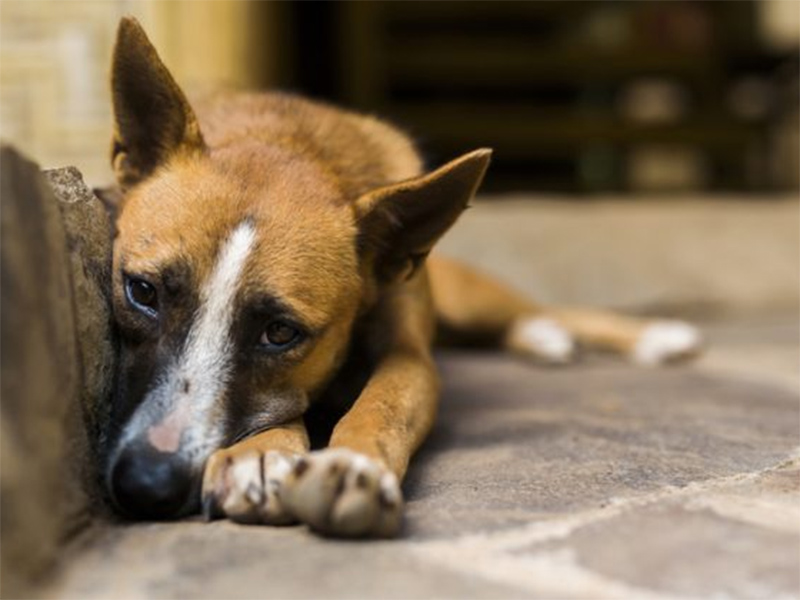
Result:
[{"x": 239, "y": 272}]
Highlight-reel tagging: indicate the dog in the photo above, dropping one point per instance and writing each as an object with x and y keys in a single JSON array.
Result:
[{"x": 277, "y": 305}]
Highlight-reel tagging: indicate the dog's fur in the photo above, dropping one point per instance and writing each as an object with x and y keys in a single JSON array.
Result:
[{"x": 259, "y": 217}]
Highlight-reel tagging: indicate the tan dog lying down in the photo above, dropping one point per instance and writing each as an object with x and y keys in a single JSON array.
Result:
[{"x": 271, "y": 277}]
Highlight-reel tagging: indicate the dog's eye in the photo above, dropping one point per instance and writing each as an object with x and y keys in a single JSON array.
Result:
[
  {"x": 142, "y": 296},
  {"x": 279, "y": 335}
]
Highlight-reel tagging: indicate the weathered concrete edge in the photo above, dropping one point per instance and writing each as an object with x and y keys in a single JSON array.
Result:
[{"x": 51, "y": 228}]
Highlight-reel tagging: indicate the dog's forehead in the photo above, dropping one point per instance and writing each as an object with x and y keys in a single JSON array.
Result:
[
  {"x": 304, "y": 249},
  {"x": 190, "y": 204},
  {"x": 312, "y": 274}
]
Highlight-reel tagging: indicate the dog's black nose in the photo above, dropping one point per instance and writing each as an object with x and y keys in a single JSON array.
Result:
[{"x": 149, "y": 484}]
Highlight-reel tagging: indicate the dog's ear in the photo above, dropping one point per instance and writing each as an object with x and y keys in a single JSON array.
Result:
[
  {"x": 152, "y": 118},
  {"x": 400, "y": 223}
]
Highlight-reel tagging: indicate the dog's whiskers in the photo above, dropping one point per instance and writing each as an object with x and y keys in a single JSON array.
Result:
[{"x": 251, "y": 431}]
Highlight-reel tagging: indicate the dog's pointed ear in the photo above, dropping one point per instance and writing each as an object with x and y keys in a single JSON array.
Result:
[
  {"x": 400, "y": 223},
  {"x": 152, "y": 118}
]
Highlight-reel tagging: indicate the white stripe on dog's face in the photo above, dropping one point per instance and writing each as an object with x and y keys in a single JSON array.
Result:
[
  {"x": 185, "y": 397},
  {"x": 206, "y": 362}
]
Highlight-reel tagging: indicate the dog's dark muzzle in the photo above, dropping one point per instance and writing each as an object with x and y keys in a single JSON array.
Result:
[{"x": 148, "y": 484}]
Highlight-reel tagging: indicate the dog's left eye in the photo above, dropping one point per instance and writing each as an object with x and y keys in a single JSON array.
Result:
[
  {"x": 279, "y": 335},
  {"x": 142, "y": 295}
]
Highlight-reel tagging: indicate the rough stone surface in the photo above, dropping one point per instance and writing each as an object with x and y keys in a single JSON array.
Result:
[
  {"x": 739, "y": 560},
  {"x": 52, "y": 342},
  {"x": 40, "y": 374},
  {"x": 596, "y": 481},
  {"x": 89, "y": 243},
  {"x": 555, "y": 441}
]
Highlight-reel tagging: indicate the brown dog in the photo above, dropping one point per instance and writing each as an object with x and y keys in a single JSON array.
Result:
[{"x": 270, "y": 278}]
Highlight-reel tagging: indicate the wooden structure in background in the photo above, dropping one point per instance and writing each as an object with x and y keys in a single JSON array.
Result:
[
  {"x": 212, "y": 42},
  {"x": 560, "y": 89},
  {"x": 574, "y": 96}
]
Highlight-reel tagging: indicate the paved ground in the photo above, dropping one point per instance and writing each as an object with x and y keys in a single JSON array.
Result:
[
  {"x": 597, "y": 481},
  {"x": 709, "y": 254}
]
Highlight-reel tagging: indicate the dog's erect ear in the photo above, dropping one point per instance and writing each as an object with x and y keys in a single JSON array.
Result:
[
  {"x": 152, "y": 118},
  {"x": 400, "y": 223}
]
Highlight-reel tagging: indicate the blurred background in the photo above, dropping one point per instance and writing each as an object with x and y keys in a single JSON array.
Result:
[
  {"x": 577, "y": 97},
  {"x": 646, "y": 152}
]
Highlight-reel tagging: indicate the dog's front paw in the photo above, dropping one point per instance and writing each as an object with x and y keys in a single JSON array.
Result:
[
  {"x": 245, "y": 486},
  {"x": 343, "y": 493}
]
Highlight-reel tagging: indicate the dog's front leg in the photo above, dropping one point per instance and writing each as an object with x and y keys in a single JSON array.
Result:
[
  {"x": 243, "y": 482},
  {"x": 352, "y": 488}
]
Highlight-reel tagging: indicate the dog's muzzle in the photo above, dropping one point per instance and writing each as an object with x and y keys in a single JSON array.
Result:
[{"x": 149, "y": 484}]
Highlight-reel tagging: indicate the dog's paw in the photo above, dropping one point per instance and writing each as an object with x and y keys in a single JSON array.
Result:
[
  {"x": 542, "y": 339},
  {"x": 343, "y": 493},
  {"x": 666, "y": 341},
  {"x": 245, "y": 486}
]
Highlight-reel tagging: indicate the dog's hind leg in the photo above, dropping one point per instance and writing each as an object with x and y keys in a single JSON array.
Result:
[{"x": 475, "y": 309}]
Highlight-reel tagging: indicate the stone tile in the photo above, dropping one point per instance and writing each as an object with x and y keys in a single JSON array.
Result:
[
  {"x": 225, "y": 560},
  {"x": 771, "y": 499},
  {"x": 515, "y": 443},
  {"x": 671, "y": 549},
  {"x": 762, "y": 348}
]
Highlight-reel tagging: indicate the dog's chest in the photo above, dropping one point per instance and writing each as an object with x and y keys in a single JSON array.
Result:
[{"x": 339, "y": 395}]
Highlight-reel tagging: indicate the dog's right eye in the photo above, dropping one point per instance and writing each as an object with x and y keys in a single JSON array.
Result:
[{"x": 142, "y": 296}]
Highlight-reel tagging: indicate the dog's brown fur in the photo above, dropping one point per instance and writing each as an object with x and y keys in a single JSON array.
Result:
[{"x": 344, "y": 219}]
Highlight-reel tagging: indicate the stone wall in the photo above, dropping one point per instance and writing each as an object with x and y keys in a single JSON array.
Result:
[{"x": 57, "y": 360}]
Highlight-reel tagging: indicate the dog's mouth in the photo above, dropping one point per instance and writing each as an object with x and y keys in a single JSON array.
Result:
[{"x": 251, "y": 431}]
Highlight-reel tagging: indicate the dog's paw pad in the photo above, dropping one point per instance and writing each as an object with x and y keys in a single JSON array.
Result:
[
  {"x": 344, "y": 493},
  {"x": 666, "y": 341},
  {"x": 543, "y": 339},
  {"x": 247, "y": 487}
]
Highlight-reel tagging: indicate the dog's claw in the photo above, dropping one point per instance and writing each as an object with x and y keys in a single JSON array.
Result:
[
  {"x": 336, "y": 492},
  {"x": 342, "y": 493},
  {"x": 255, "y": 494}
]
